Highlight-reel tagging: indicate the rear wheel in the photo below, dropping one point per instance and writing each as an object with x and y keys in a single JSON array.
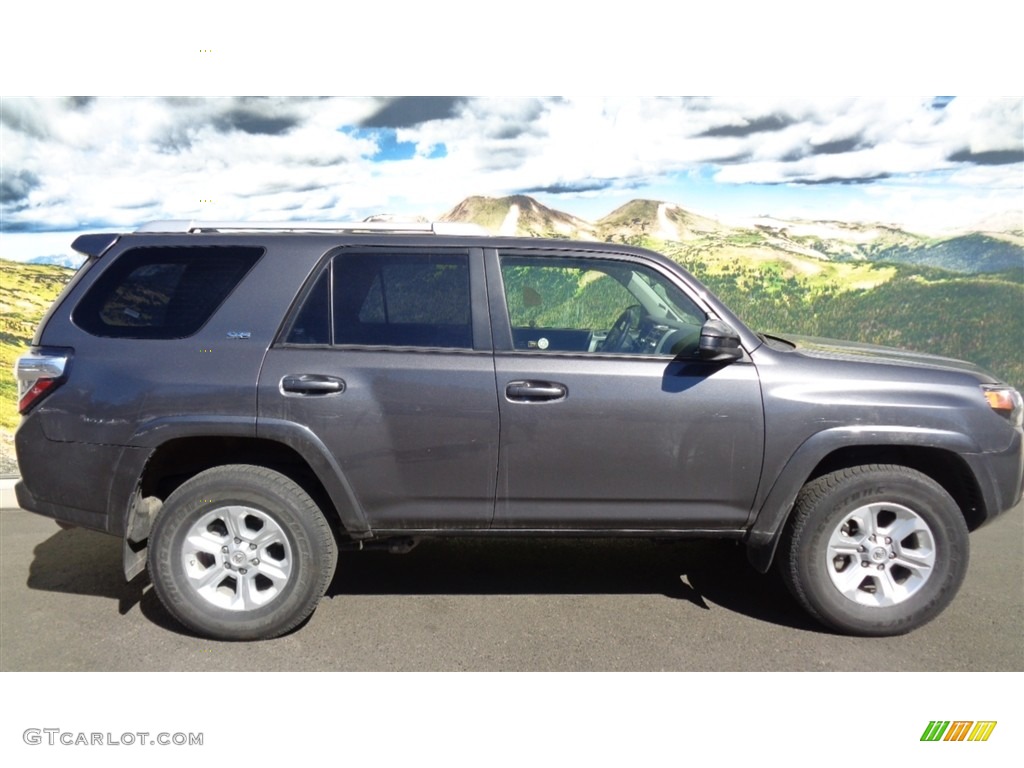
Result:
[
  {"x": 875, "y": 550},
  {"x": 241, "y": 553}
]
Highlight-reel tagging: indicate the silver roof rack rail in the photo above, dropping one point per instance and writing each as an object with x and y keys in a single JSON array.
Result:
[{"x": 186, "y": 226}]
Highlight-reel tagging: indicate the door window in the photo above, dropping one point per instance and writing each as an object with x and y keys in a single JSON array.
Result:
[
  {"x": 388, "y": 299},
  {"x": 597, "y": 306}
]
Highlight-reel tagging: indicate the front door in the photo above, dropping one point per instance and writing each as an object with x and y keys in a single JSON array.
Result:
[{"x": 608, "y": 418}]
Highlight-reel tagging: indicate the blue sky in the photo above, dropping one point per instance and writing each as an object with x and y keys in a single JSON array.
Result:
[{"x": 924, "y": 163}]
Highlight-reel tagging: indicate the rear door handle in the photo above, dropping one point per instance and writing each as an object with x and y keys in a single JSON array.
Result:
[
  {"x": 312, "y": 384},
  {"x": 535, "y": 391}
]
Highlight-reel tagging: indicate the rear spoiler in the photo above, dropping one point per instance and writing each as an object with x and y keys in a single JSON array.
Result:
[{"x": 94, "y": 246}]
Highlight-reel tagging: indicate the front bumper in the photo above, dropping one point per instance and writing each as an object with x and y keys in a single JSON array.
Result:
[{"x": 1000, "y": 477}]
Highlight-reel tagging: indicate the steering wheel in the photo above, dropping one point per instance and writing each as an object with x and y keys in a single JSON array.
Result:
[{"x": 618, "y": 338}]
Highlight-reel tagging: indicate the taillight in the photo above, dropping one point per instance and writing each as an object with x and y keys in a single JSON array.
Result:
[{"x": 38, "y": 373}]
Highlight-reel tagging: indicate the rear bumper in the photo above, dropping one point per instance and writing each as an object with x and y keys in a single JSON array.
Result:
[
  {"x": 62, "y": 513},
  {"x": 70, "y": 482}
]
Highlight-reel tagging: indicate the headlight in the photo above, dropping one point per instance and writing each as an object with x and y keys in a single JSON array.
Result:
[{"x": 1007, "y": 402}]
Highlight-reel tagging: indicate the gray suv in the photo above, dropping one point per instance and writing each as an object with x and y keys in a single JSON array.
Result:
[{"x": 239, "y": 402}]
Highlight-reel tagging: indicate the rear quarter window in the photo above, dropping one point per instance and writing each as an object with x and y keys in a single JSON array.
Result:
[{"x": 162, "y": 292}]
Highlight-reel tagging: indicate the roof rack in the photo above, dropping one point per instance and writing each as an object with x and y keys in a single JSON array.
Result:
[{"x": 187, "y": 226}]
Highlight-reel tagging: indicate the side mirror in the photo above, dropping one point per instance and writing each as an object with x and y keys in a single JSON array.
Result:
[{"x": 719, "y": 343}]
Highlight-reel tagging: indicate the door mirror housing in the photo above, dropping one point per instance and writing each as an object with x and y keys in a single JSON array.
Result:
[{"x": 719, "y": 342}]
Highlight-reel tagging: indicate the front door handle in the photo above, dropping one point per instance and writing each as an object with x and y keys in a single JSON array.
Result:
[
  {"x": 535, "y": 391},
  {"x": 312, "y": 384}
]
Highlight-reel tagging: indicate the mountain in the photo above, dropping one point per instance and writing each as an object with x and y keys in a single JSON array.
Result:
[
  {"x": 968, "y": 253},
  {"x": 803, "y": 244},
  {"x": 1008, "y": 224},
  {"x": 834, "y": 239},
  {"x": 662, "y": 221},
  {"x": 520, "y": 215},
  {"x": 975, "y": 253},
  {"x": 61, "y": 260}
]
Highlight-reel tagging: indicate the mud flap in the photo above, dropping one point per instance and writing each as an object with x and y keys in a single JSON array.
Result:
[
  {"x": 135, "y": 546},
  {"x": 134, "y": 558}
]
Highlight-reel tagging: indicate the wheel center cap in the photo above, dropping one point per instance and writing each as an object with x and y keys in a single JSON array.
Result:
[
  {"x": 879, "y": 554},
  {"x": 238, "y": 558}
]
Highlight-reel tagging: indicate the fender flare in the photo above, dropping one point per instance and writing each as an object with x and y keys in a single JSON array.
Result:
[
  {"x": 770, "y": 519},
  {"x": 301, "y": 439},
  {"x": 321, "y": 461}
]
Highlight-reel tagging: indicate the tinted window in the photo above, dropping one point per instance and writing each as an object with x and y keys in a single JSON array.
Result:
[
  {"x": 593, "y": 305},
  {"x": 162, "y": 293},
  {"x": 387, "y": 299},
  {"x": 312, "y": 324},
  {"x": 569, "y": 297}
]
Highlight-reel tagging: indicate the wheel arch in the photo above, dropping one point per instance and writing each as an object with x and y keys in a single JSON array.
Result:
[
  {"x": 943, "y": 466},
  {"x": 934, "y": 454},
  {"x": 176, "y": 460}
]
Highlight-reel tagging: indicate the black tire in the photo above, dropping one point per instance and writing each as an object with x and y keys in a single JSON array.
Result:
[
  {"x": 874, "y": 550},
  {"x": 241, "y": 552}
]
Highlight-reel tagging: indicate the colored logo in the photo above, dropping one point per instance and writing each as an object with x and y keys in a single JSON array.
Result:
[{"x": 958, "y": 730}]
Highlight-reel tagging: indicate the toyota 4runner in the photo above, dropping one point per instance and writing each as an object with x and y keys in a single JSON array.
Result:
[{"x": 238, "y": 402}]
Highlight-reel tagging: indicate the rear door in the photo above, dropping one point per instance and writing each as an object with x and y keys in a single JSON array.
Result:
[
  {"x": 608, "y": 418},
  {"x": 387, "y": 363}
]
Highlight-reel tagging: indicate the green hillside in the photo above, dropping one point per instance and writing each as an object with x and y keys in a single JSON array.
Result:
[
  {"x": 26, "y": 292},
  {"x": 972, "y": 317},
  {"x": 973, "y": 253}
]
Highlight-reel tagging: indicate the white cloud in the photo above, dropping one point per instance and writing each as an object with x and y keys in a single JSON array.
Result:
[{"x": 119, "y": 161}]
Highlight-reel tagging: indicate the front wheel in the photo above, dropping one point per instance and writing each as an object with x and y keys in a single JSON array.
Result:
[
  {"x": 875, "y": 550},
  {"x": 241, "y": 552}
]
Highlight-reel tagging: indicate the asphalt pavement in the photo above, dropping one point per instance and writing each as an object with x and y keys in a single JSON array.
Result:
[{"x": 511, "y": 605}]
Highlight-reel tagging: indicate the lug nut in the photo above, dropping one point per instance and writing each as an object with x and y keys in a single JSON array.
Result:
[
  {"x": 881, "y": 567},
  {"x": 242, "y": 570},
  {"x": 238, "y": 541},
  {"x": 864, "y": 563},
  {"x": 252, "y": 546},
  {"x": 228, "y": 566},
  {"x": 256, "y": 561},
  {"x": 888, "y": 540},
  {"x": 892, "y": 555},
  {"x": 224, "y": 549},
  {"x": 862, "y": 549}
]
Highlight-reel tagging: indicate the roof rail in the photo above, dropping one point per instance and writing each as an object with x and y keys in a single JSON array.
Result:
[{"x": 187, "y": 226}]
